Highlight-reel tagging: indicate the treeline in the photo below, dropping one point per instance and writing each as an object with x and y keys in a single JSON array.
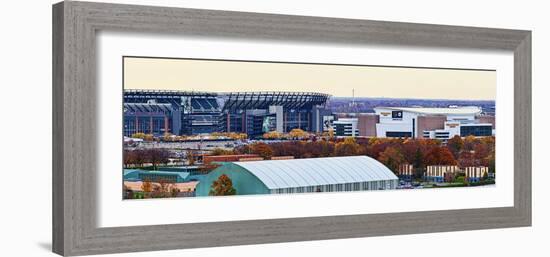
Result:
[
  {"x": 138, "y": 157},
  {"x": 469, "y": 151}
]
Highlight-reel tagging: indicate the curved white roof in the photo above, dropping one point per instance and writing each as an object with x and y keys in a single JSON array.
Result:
[
  {"x": 462, "y": 110},
  {"x": 317, "y": 171}
]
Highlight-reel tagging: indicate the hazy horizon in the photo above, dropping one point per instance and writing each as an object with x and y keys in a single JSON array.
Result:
[{"x": 336, "y": 80}]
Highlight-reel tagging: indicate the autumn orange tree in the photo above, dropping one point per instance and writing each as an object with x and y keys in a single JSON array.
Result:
[
  {"x": 466, "y": 159},
  {"x": 220, "y": 151},
  {"x": 392, "y": 158},
  {"x": 348, "y": 147},
  {"x": 149, "y": 137},
  {"x": 469, "y": 143},
  {"x": 272, "y": 135},
  {"x": 164, "y": 188},
  {"x": 147, "y": 187},
  {"x": 297, "y": 133},
  {"x": 138, "y": 135},
  {"x": 440, "y": 156},
  {"x": 262, "y": 149},
  {"x": 190, "y": 157},
  {"x": 455, "y": 145},
  {"x": 222, "y": 186}
]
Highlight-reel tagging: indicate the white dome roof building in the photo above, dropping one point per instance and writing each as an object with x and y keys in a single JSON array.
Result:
[{"x": 331, "y": 174}]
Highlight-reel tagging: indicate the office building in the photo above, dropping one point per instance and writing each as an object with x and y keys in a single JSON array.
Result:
[{"x": 434, "y": 123}]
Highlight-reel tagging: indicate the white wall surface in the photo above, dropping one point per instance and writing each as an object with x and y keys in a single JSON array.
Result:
[{"x": 25, "y": 216}]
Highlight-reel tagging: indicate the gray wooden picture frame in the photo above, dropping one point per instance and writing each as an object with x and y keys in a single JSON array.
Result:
[{"x": 75, "y": 25}]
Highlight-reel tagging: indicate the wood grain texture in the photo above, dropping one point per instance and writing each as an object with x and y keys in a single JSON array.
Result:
[
  {"x": 74, "y": 126},
  {"x": 58, "y": 218}
]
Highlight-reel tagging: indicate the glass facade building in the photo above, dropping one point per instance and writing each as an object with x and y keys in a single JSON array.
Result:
[{"x": 476, "y": 130}]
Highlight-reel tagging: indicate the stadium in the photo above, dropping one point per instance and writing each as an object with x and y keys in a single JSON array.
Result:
[{"x": 190, "y": 113}]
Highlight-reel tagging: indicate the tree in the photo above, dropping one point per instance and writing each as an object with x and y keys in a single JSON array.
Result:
[
  {"x": 128, "y": 158},
  {"x": 148, "y": 138},
  {"x": 455, "y": 145},
  {"x": 147, "y": 187},
  {"x": 139, "y": 157},
  {"x": 174, "y": 192},
  {"x": 440, "y": 156},
  {"x": 392, "y": 158},
  {"x": 138, "y": 135},
  {"x": 222, "y": 186},
  {"x": 418, "y": 163},
  {"x": 490, "y": 162},
  {"x": 331, "y": 133},
  {"x": 220, "y": 151},
  {"x": 481, "y": 151},
  {"x": 157, "y": 156},
  {"x": 489, "y": 142},
  {"x": 298, "y": 133},
  {"x": 164, "y": 188},
  {"x": 272, "y": 135},
  {"x": 190, "y": 158},
  {"x": 262, "y": 150},
  {"x": 485, "y": 176},
  {"x": 127, "y": 193},
  {"x": 466, "y": 159},
  {"x": 469, "y": 143},
  {"x": 347, "y": 148}
]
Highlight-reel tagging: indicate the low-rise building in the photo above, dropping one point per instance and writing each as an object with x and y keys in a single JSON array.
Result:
[
  {"x": 208, "y": 159},
  {"x": 475, "y": 174},
  {"x": 155, "y": 176},
  {"x": 331, "y": 174},
  {"x": 366, "y": 124},
  {"x": 346, "y": 127},
  {"x": 405, "y": 171},
  {"x": 437, "y": 173}
]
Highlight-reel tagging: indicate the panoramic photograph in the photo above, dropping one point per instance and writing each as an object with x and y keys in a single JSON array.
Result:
[{"x": 205, "y": 128}]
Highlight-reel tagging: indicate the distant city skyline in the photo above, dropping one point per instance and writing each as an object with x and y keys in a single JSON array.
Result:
[{"x": 336, "y": 80}]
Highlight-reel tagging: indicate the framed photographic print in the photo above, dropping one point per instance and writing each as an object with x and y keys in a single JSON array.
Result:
[{"x": 183, "y": 128}]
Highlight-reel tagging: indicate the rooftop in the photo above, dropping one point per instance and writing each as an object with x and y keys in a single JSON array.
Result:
[
  {"x": 463, "y": 110},
  {"x": 317, "y": 171},
  {"x": 134, "y": 174}
]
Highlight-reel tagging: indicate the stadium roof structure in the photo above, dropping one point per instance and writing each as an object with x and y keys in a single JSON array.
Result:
[
  {"x": 258, "y": 100},
  {"x": 317, "y": 171},
  {"x": 148, "y": 93},
  {"x": 147, "y": 107},
  {"x": 207, "y": 101},
  {"x": 462, "y": 110}
]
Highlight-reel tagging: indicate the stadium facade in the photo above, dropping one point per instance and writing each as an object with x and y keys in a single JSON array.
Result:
[{"x": 190, "y": 113}]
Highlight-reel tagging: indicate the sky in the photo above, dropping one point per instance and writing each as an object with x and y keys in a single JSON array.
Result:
[{"x": 336, "y": 80}]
